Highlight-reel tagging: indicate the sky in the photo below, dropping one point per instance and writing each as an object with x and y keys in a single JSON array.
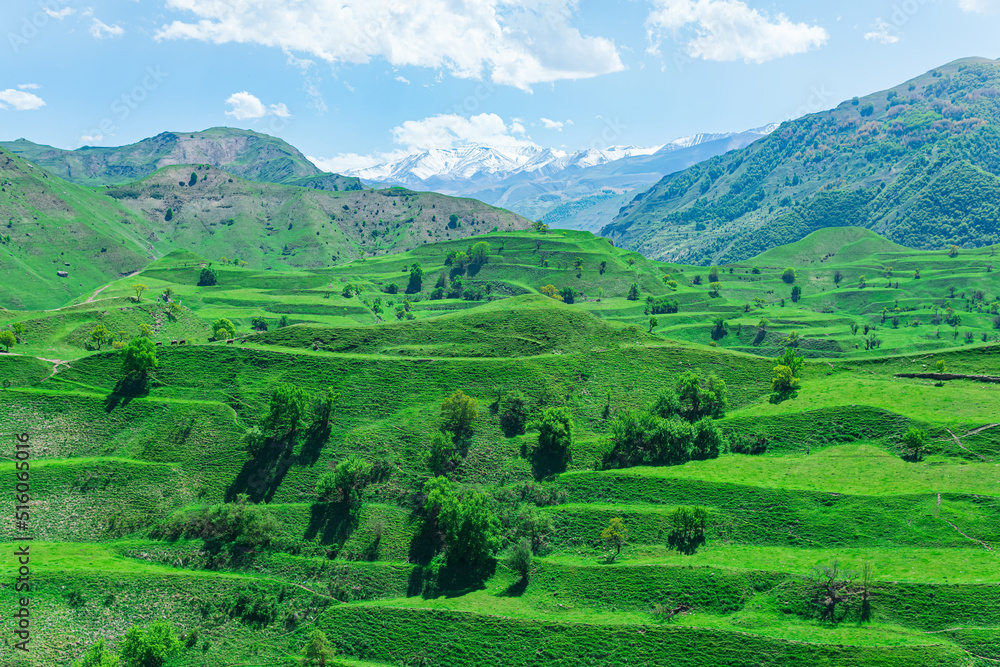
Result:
[{"x": 355, "y": 82}]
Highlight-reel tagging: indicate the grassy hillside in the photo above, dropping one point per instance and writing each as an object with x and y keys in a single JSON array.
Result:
[
  {"x": 247, "y": 154},
  {"x": 124, "y": 473},
  {"x": 916, "y": 163}
]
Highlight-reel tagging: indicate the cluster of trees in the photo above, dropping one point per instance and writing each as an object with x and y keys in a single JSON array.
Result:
[
  {"x": 152, "y": 646},
  {"x": 662, "y": 305},
  {"x": 208, "y": 277},
  {"x": 240, "y": 525},
  {"x": 466, "y": 521},
  {"x": 677, "y": 427},
  {"x": 786, "y": 379},
  {"x": 686, "y": 531}
]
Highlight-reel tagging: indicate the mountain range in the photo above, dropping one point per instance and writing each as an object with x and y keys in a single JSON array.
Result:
[
  {"x": 918, "y": 163},
  {"x": 574, "y": 190}
]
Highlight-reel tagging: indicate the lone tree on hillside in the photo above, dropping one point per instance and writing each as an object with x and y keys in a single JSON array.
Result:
[
  {"x": 7, "y": 339},
  {"x": 317, "y": 651},
  {"x": 458, "y": 411},
  {"x": 553, "y": 451},
  {"x": 139, "y": 357},
  {"x": 441, "y": 454},
  {"x": 286, "y": 410},
  {"x": 915, "y": 440},
  {"x": 687, "y": 529},
  {"x": 837, "y": 277},
  {"x": 480, "y": 253},
  {"x": 653, "y": 323},
  {"x": 633, "y": 292},
  {"x": 796, "y": 294},
  {"x": 139, "y": 289},
  {"x": 346, "y": 481},
  {"x": 416, "y": 279},
  {"x": 100, "y": 335},
  {"x": 785, "y": 381},
  {"x": 789, "y": 275},
  {"x": 223, "y": 329},
  {"x": 208, "y": 277},
  {"x": 151, "y": 647},
  {"x": 615, "y": 536}
]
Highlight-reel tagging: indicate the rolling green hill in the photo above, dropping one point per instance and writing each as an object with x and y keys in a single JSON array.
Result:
[
  {"x": 917, "y": 163},
  {"x": 244, "y": 153}
]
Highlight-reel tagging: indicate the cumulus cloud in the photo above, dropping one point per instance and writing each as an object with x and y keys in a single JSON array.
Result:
[
  {"x": 882, "y": 33},
  {"x": 444, "y": 131},
  {"x": 980, "y": 6},
  {"x": 244, "y": 106},
  {"x": 88, "y": 139},
  {"x": 550, "y": 124},
  {"x": 61, "y": 14},
  {"x": 403, "y": 79},
  {"x": 725, "y": 30},
  {"x": 20, "y": 100},
  {"x": 512, "y": 42},
  {"x": 102, "y": 30}
]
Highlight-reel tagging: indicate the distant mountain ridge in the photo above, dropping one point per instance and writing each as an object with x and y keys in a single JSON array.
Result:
[
  {"x": 918, "y": 164},
  {"x": 244, "y": 153},
  {"x": 534, "y": 181}
]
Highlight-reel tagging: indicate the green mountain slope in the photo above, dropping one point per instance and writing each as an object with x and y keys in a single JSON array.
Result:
[
  {"x": 48, "y": 225},
  {"x": 918, "y": 164},
  {"x": 248, "y": 154},
  {"x": 216, "y": 214}
]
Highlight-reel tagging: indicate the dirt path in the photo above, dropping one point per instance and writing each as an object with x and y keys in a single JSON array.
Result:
[
  {"x": 985, "y": 546},
  {"x": 959, "y": 443},
  {"x": 101, "y": 289}
]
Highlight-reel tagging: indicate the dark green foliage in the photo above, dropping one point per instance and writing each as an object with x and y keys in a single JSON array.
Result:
[
  {"x": 702, "y": 399},
  {"x": 208, "y": 277},
  {"x": 98, "y": 655},
  {"x": 194, "y": 178},
  {"x": 170, "y": 215},
  {"x": 786, "y": 379},
  {"x": 645, "y": 438},
  {"x": 788, "y": 276},
  {"x": 568, "y": 294},
  {"x": 346, "y": 482},
  {"x": 719, "y": 328},
  {"x": 687, "y": 529},
  {"x": 149, "y": 647},
  {"x": 317, "y": 652},
  {"x": 519, "y": 557},
  {"x": 664, "y": 305},
  {"x": 513, "y": 411},
  {"x": 796, "y": 294},
  {"x": 458, "y": 412},
  {"x": 633, "y": 292},
  {"x": 139, "y": 358},
  {"x": 258, "y": 323},
  {"x": 286, "y": 410},
  {"x": 471, "y": 528},
  {"x": 553, "y": 450},
  {"x": 416, "y": 279},
  {"x": 441, "y": 454},
  {"x": 242, "y": 525},
  {"x": 223, "y": 329},
  {"x": 915, "y": 440}
]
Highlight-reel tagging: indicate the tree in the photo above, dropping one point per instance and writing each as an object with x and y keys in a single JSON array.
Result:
[
  {"x": 519, "y": 558},
  {"x": 194, "y": 178},
  {"x": 513, "y": 411},
  {"x": 346, "y": 481},
  {"x": 151, "y": 647},
  {"x": 7, "y": 339},
  {"x": 283, "y": 322},
  {"x": 796, "y": 294},
  {"x": 552, "y": 292},
  {"x": 699, "y": 399},
  {"x": 789, "y": 275},
  {"x": 441, "y": 454},
  {"x": 615, "y": 536},
  {"x": 258, "y": 323},
  {"x": 145, "y": 330},
  {"x": 208, "y": 277},
  {"x": 416, "y": 279},
  {"x": 792, "y": 339},
  {"x": 941, "y": 366},
  {"x": 324, "y": 402},
  {"x": 139, "y": 288},
  {"x": 553, "y": 451},
  {"x": 18, "y": 329},
  {"x": 100, "y": 335},
  {"x": 540, "y": 227},
  {"x": 317, "y": 650},
  {"x": 480, "y": 253},
  {"x": 653, "y": 323},
  {"x": 720, "y": 328},
  {"x": 286, "y": 409},
  {"x": 834, "y": 587},
  {"x": 785, "y": 381},
  {"x": 458, "y": 411},
  {"x": 713, "y": 274},
  {"x": 170, "y": 215},
  {"x": 714, "y": 289},
  {"x": 470, "y": 526},
  {"x": 837, "y": 277},
  {"x": 98, "y": 655},
  {"x": 915, "y": 440},
  {"x": 953, "y": 251},
  {"x": 223, "y": 329},
  {"x": 633, "y": 292},
  {"x": 568, "y": 295},
  {"x": 687, "y": 529},
  {"x": 139, "y": 358}
]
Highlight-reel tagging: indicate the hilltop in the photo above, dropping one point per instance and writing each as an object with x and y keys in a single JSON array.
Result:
[
  {"x": 917, "y": 163},
  {"x": 244, "y": 153}
]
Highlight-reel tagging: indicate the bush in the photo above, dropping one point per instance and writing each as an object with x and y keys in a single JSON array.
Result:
[
  {"x": 98, "y": 655},
  {"x": 346, "y": 482},
  {"x": 519, "y": 558},
  {"x": 788, "y": 276},
  {"x": 208, "y": 277},
  {"x": 139, "y": 358},
  {"x": 553, "y": 451},
  {"x": 223, "y": 329},
  {"x": 317, "y": 651},
  {"x": 258, "y": 323},
  {"x": 458, "y": 411},
  {"x": 286, "y": 410},
  {"x": 151, "y": 647},
  {"x": 687, "y": 529},
  {"x": 513, "y": 410}
]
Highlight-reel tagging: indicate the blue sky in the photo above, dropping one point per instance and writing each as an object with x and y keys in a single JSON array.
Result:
[{"x": 351, "y": 81}]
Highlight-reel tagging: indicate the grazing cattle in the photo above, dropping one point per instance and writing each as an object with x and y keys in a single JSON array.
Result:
[
  {"x": 242, "y": 340},
  {"x": 173, "y": 342},
  {"x": 230, "y": 341},
  {"x": 183, "y": 342},
  {"x": 159, "y": 345}
]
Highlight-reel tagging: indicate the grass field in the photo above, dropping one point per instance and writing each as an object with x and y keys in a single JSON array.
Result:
[{"x": 116, "y": 465}]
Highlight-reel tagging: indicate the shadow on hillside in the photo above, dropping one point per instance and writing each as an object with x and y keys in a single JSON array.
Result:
[
  {"x": 262, "y": 475},
  {"x": 332, "y": 522},
  {"x": 124, "y": 391},
  {"x": 516, "y": 589},
  {"x": 451, "y": 581},
  {"x": 315, "y": 437}
]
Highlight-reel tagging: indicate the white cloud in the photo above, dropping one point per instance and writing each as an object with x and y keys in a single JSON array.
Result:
[
  {"x": 883, "y": 33},
  {"x": 61, "y": 14},
  {"x": 980, "y": 6},
  {"x": 403, "y": 79},
  {"x": 437, "y": 132},
  {"x": 102, "y": 30},
  {"x": 245, "y": 106},
  {"x": 513, "y": 42},
  {"x": 20, "y": 100},
  {"x": 28, "y": 86},
  {"x": 87, "y": 139},
  {"x": 725, "y": 30},
  {"x": 550, "y": 124}
]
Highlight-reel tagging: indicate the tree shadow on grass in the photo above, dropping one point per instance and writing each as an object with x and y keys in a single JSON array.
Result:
[
  {"x": 315, "y": 437},
  {"x": 333, "y": 523},
  {"x": 516, "y": 589},
  {"x": 124, "y": 391},
  {"x": 261, "y": 476}
]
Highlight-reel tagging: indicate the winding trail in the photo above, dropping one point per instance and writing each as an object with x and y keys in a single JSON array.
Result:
[{"x": 101, "y": 289}]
